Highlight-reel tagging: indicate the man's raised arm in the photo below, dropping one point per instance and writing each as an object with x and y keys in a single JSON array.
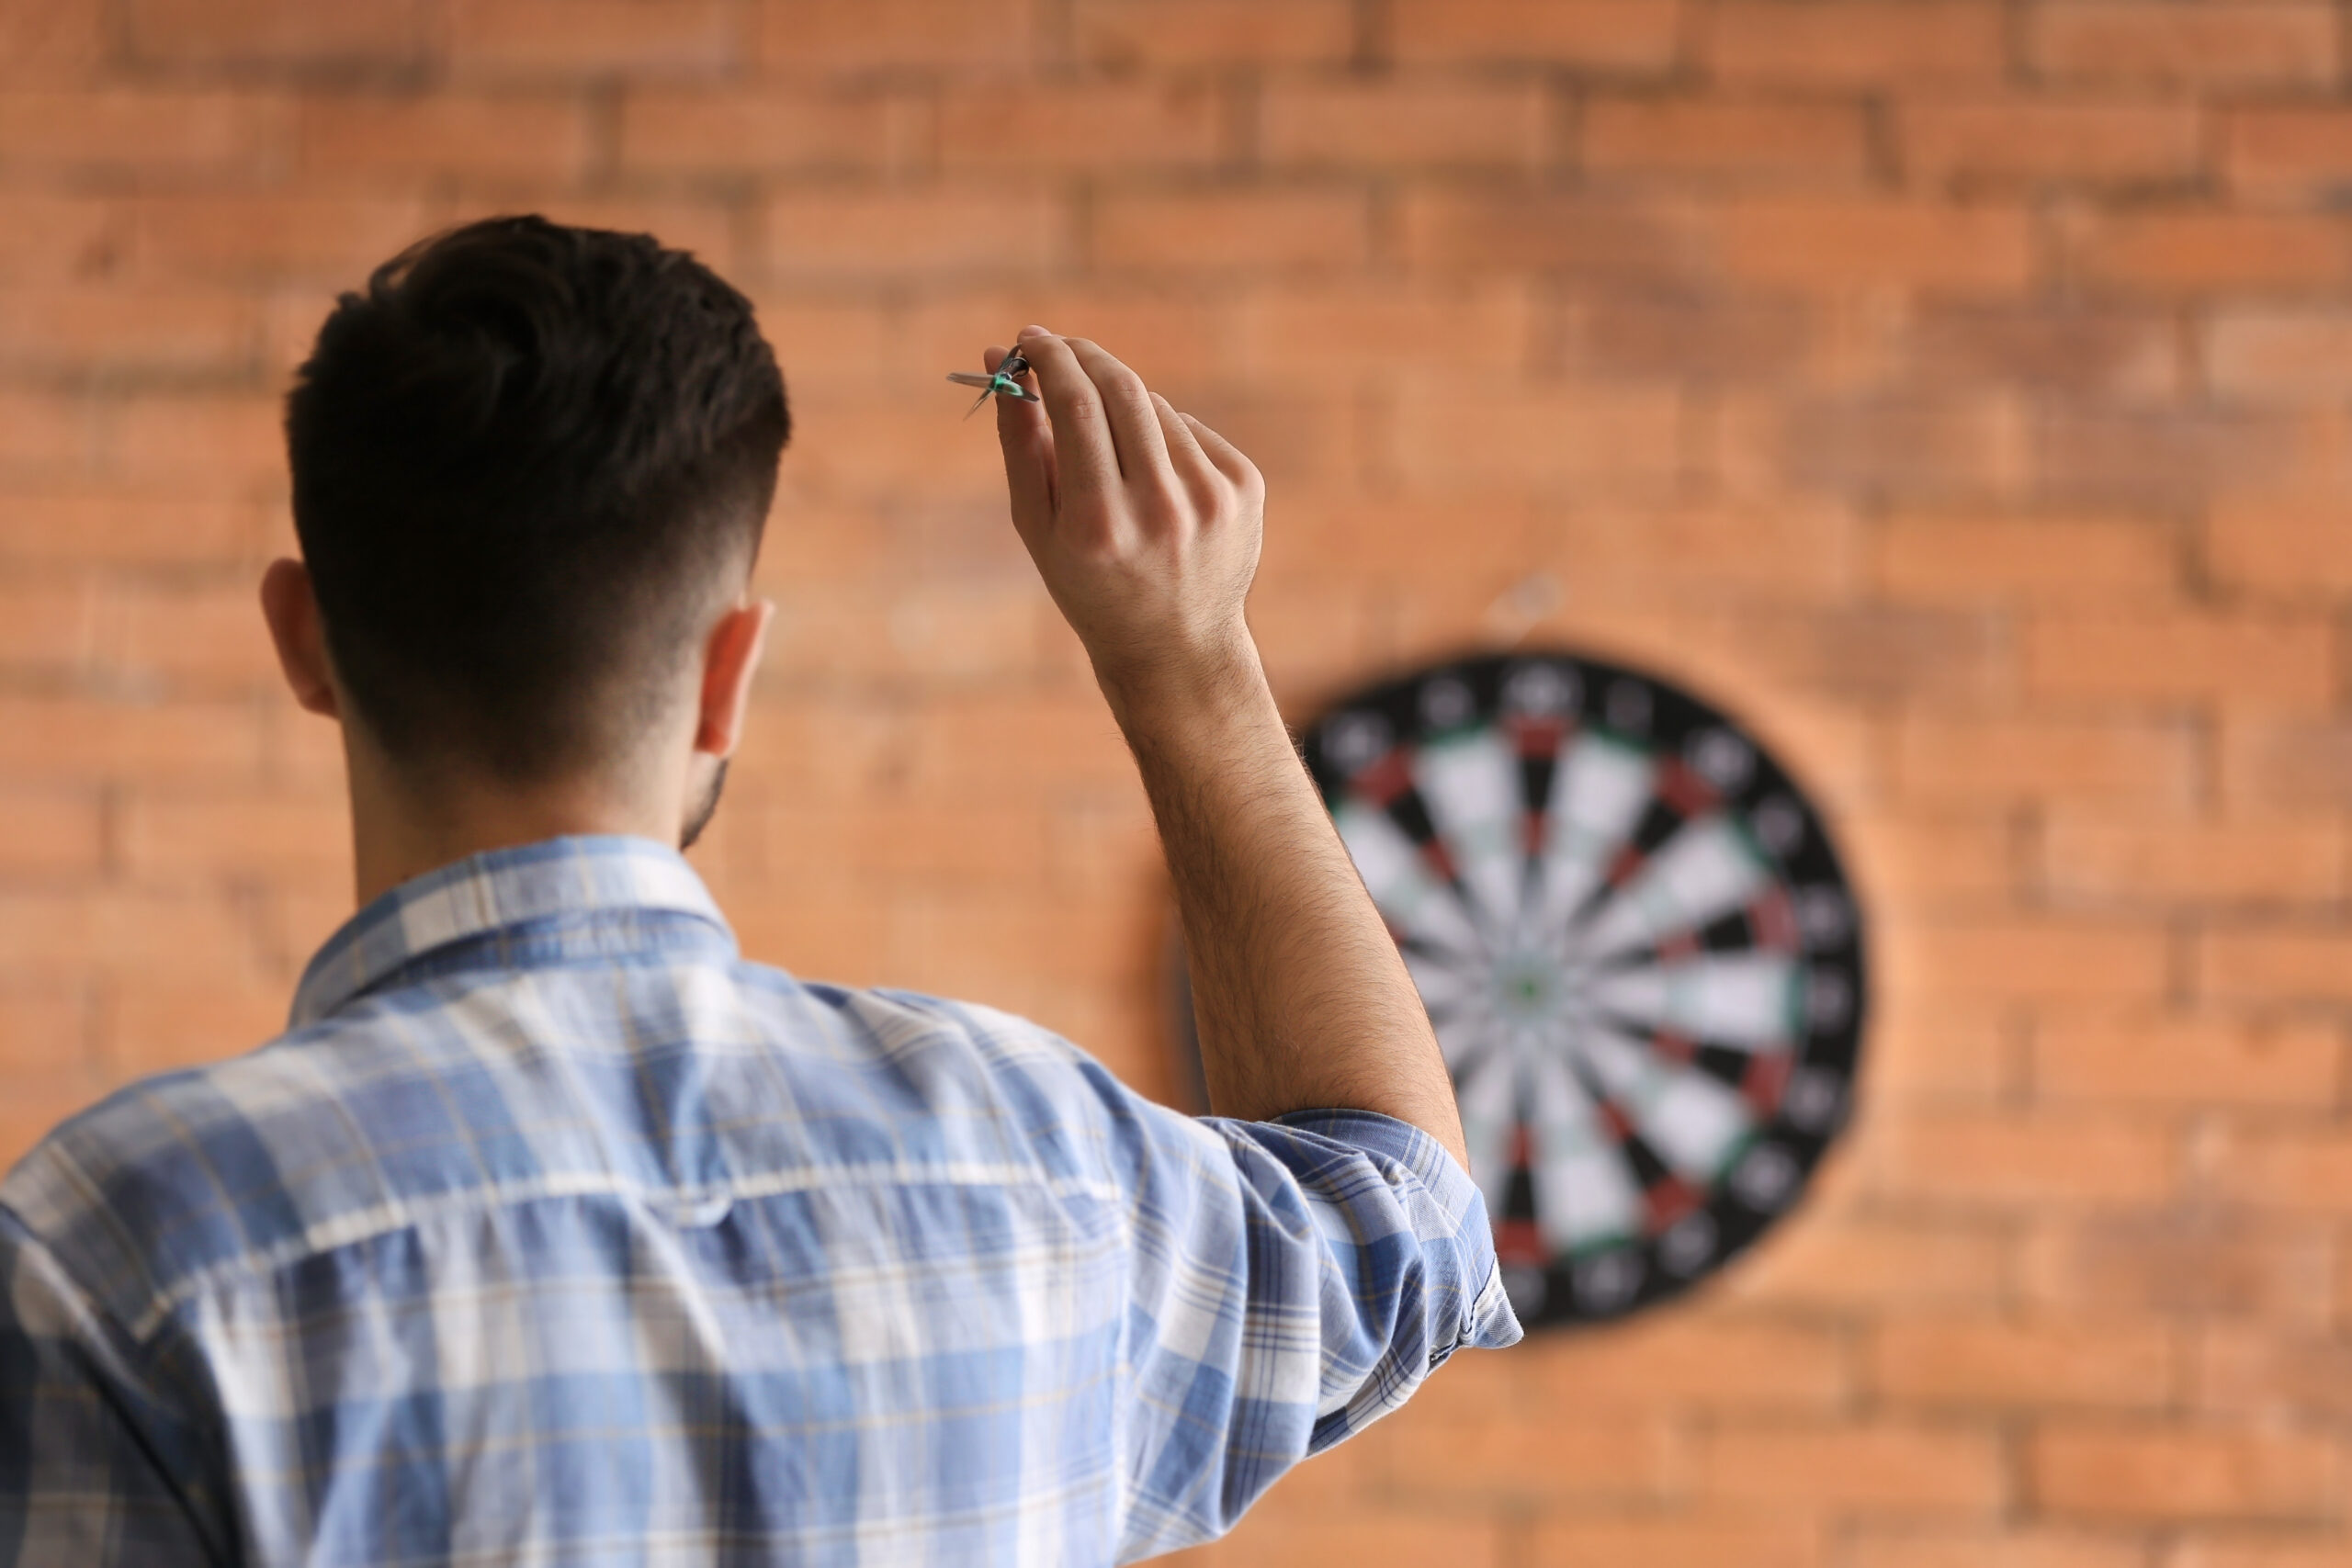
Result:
[{"x": 1145, "y": 525}]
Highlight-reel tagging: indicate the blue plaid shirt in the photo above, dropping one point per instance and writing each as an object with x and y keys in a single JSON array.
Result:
[{"x": 555, "y": 1232}]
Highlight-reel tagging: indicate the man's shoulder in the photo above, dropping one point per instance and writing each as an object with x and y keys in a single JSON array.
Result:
[{"x": 357, "y": 1122}]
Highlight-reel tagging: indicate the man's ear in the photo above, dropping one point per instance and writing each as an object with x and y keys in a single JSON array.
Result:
[
  {"x": 729, "y": 658},
  {"x": 291, "y": 609}
]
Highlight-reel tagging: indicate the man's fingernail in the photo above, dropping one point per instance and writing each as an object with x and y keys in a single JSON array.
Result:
[{"x": 1034, "y": 332}]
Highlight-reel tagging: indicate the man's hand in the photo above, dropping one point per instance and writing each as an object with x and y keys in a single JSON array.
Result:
[{"x": 1144, "y": 523}]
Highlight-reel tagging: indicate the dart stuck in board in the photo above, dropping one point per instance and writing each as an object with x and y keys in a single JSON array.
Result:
[{"x": 1003, "y": 382}]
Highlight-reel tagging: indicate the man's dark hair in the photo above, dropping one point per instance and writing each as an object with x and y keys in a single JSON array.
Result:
[{"x": 523, "y": 461}]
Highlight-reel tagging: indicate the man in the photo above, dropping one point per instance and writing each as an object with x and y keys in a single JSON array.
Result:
[{"x": 553, "y": 1231}]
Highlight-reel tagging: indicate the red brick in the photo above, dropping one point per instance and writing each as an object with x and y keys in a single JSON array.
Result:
[
  {"x": 2291, "y": 152},
  {"x": 50, "y": 835},
  {"x": 2034, "y": 957},
  {"x": 880, "y": 233},
  {"x": 357, "y": 139},
  {"x": 2236, "y": 1265},
  {"x": 2267, "y": 963},
  {"x": 1533, "y": 1462},
  {"x": 336, "y": 240},
  {"x": 1309, "y": 334},
  {"x": 50, "y": 42},
  {"x": 2154, "y": 457},
  {"x": 1928, "y": 1050},
  {"x": 2124, "y": 862},
  {"x": 121, "y": 129},
  {"x": 173, "y": 838},
  {"x": 2285, "y": 549},
  {"x": 2195, "y": 252},
  {"x": 91, "y": 741},
  {"x": 2187, "y": 1061},
  {"x": 2322, "y": 1549},
  {"x": 2156, "y": 1473},
  {"x": 154, "y": 1028},
  {"x": 48, "y": 237},
  {"x": 1272, "y": 1539},
  {"x": 2269, "y": 763},
  {"x": 1258, "y": 231},
  {"x": 2048, "y": 140},
  {"x": 2282, "y": 354},
  {"x": 1928, "y": 860},
  {"x": 1963, "y": 559},
  {"x": 1911, "y": 1548},
  {"x": 2261, "y": 1372},
  {"x": 1690, "y": 548},
  {"x": 1881, "y": 1467},
  {"x": 1856, "y": 42},
  {"x": 2066, "y": 352},
  {"x": 1840, "y": 1263},
  {"x": 2039, "y": 1362},
  {"x": 1682, "y": 1362},
  {"x": 155, "y": 936},
  {"x": 1596, "y": 436},
  {"x": 627, "y": 37},
  {"x": 1127, "y": 33},
  {"x": 125, "y": 330},
  {"x": 1083, "y": 126},
  {"x": 2261, "y": 42},
  {"x": 213, "y": 445},
  {"x": 45, "y": 1032},
  {"x": 100, "y": 526},
  {"x": 1875, "y": 652},
  {"x": 377, "y": 34},
  {"x": 1746, "y": 139},
  {"x": 870, "y": 35},
  {"x": 2002, "y": 1158},
  {"x": 1983, "y": 759},
  {"x": 1611, "y": 35},
  {"x": 1821, "y": 245},
  {"x": 1402, "y": 124},
  {"x": 51, "y": 626},
  {"x": 1647, "y": 331},
  {"x": 50, "y": 434},
  {"x": 764, "y": 131},
  {"x": 1680, "y": 1541},
  {"x": 1574, "y": 234},
  {"x": 2265, "y": 661},
  {"x": 2290, "y": 1170}
]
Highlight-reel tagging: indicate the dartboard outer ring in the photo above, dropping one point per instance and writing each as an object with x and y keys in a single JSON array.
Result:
[{"x": 1696, "y": 1186}]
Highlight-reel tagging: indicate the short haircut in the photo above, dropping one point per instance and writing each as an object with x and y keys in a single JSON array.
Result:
[{"x": 525, "y": 460}]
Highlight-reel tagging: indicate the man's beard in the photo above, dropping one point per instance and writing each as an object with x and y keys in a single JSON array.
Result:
[{"x": 699, "y": 818}]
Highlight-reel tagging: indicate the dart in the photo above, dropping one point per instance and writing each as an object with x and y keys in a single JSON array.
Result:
[{"x": 1004, "y": 381}]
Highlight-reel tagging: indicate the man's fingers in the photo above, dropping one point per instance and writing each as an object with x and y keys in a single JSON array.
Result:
[
  {"x": 1185, "y": 455},
  {"x": 1084, "y": 459},
  {"x": 1028, "y": 442},
  {"x": 1228, "y": 458},
  {"x": 1135, "y": 425}
]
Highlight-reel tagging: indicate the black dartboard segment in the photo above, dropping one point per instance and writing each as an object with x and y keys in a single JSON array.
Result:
[{"x": 1641, "y": 954}]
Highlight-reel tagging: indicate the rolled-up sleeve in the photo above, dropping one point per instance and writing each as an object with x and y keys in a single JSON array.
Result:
[{"x": 1294, "y": 1281}]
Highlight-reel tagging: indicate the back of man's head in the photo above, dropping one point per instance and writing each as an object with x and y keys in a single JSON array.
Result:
[{"x": 528, "y": 463}]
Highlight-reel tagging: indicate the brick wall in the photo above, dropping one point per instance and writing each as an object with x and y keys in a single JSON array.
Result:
[{"x": 1957, "y": 388}]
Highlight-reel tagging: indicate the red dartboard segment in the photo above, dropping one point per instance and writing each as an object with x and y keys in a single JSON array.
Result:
[{"x": 1639, "y": 949}]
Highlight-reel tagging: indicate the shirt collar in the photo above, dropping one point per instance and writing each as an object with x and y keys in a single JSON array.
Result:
[{"x": 495, "y": 891}]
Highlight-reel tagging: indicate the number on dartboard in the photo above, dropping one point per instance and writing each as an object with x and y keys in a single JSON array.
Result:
[{"x": 1642, "y": 957}]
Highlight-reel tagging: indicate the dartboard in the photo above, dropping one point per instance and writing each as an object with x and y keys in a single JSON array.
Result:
[{"x": 1641, "y": 955}]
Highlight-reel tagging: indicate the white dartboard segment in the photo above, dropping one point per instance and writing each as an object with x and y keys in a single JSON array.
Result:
[{"x": 1638, "y": 948}]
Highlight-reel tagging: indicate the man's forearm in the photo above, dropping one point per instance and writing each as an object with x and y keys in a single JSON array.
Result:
[{"x": 1300, "y": 995}]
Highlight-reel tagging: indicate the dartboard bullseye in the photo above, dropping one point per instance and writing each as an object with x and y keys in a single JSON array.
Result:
[{"x": 1642, "y": 957}]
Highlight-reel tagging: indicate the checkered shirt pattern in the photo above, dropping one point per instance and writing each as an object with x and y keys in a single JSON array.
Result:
[{"x": 554, "y": 1233}]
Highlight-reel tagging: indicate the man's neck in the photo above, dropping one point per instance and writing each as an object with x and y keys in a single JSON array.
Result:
[{"x": 400, "y": 831}]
